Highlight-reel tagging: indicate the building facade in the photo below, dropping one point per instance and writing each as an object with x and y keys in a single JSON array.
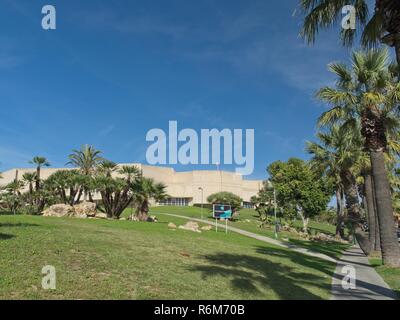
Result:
[{"x": 184, "y": 188}]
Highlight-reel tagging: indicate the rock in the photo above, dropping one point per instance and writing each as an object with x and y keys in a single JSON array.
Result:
[
  {"x": 172, "y": 225},
  {"x": 152, "y": 219},
  {"x": 59, "y": 210},
  {"x": 80, "y": 216},
  {"x": 326, "y": 237},
  {"x": 206, "y": 228},
  {"x": 101, "y": 215},
  {"x": 122, "y": 219},
  {"x": 86, "y": 208},
  {"x": 134, "y": 218},
  {"x": 304, "y": 235},
  {"x": 191, "y": 226}
]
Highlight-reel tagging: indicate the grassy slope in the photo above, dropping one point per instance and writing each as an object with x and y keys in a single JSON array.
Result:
[
  {"x": 126, "y": 260},
  {"x": 390, "y": 275},
  {"x": 248, "y": 220}
]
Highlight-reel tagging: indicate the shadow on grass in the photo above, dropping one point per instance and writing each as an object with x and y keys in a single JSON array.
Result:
[
  {"x": 6, "y": 213},
  {"x": 4, "y": 236},
  {"x": 18, "y": 225},
  {"x": 252, "y": 274},
  {"x": 330, "y": 248}
]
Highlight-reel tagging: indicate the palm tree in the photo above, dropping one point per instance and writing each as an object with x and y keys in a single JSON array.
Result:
[
  {"x": 107, "y": 168},
  {"x": 68, "y": 185},
  {"x": 29, "y": 178},
  {"x": 368, "y": 93},
  {"x": 39, "y": 162},
  {"x": 86, "y": 159},
  {"x": 116, "y": 193},
  {"x": 330, "y": 157},
  {"x": 338, "y": 156},
  {"x": 145, "y": 189},
  {"x": 382, "y": 26},
  {"x": 13, "y": 195}
]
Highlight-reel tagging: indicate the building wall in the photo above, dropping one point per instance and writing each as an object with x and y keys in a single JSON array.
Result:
[{"x": 179, "y": 184}]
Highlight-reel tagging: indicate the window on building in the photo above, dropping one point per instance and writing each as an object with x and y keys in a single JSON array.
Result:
[
  {"x": 179, "y": 202},
  {"x": 248, "y": 205}
]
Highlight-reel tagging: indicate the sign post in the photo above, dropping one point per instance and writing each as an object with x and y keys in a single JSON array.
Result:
[{"x": 222, "y": 211}]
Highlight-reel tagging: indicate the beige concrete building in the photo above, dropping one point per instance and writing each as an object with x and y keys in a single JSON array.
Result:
[{"x": 184, "y": 188}]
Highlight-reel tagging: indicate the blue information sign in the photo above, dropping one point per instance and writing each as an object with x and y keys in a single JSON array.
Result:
[{"x": 222, "y": 211}]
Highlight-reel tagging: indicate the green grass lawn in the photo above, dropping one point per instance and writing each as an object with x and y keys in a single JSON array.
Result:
[
  {"x": 248, "y": 220},
  {"x": 104, "y": 259},
  {"x": 390, "y": 275}
]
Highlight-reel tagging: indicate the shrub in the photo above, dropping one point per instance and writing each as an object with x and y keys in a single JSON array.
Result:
[{"x": 226, "y": 198}]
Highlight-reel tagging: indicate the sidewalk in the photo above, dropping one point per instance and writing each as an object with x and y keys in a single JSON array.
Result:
[{"x": 369, "y": 284}]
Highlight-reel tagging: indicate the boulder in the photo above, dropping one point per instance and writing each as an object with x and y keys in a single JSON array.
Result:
[
  {"x": 59, "y": 210},
  {"x": 172, "y": 225},
  {"x": 206, "y": 228},
  {"x": 101, "y": 215},
  {"x": 152, "y": 219},
  {"x": 134, "y": 218},
  {"x": 327, "y": 238},
  {"x": 122, "y": 219},
  {"x": 86, "y": 208},
  {"x": 191, "y": 226}
]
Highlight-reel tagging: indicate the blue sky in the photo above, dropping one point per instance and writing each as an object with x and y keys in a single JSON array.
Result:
[{"x": 115, "y": 69}]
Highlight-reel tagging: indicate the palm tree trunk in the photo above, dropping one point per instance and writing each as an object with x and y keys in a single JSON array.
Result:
[
  {"x": 377, "y": 235},
  {"x": 369, "y": 196},
  {"x": 37, "y": 178},
  {"x": 353, "y": 210},
  {"x": 389, "y": 243},
  {"x": 339, "y": 215}
]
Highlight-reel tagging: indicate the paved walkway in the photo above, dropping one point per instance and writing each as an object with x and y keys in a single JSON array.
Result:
[
  {"x": 368, "y": 285},
  {"x": 283, "y": 244}
]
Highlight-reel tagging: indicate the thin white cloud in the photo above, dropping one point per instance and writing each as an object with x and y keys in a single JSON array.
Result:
[
  {"x": 11, "y": 157},
  {"x": 107, "y": 130}
]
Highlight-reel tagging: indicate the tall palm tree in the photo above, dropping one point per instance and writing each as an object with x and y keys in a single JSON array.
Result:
[
  {"x": 367, "y": 92},
  {"x": 382, "y": 26},
  {"x": 39, "y": 162},
  {"x": 86, "y": 159},
  {"x": 337, "y": 156},
  {"x": 328, "y": 159}
]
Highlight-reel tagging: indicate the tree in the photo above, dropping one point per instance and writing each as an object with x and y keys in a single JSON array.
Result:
[
  {"x": 331, "y": 157},
  {"x": 12, "y": 195},
  {"x": 367, "y": 92},
  {"x": 383, "y": 26},
  {"x": 116, "y": 193},
  {"x": 299, "y": 189},
  {"x": 227, "y": 198},
  {"x": 145, "y": 189},
  {"x": 39, "y": 162},
  {"x": 86, "y": 159},
  {"x": 264, "y": 203},
  {"x": 29, "y": 178},
  {"x": 68, "y": 185}
]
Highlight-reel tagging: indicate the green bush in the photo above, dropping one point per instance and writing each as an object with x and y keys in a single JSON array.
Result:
[{"x": 226, "y": 198}]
